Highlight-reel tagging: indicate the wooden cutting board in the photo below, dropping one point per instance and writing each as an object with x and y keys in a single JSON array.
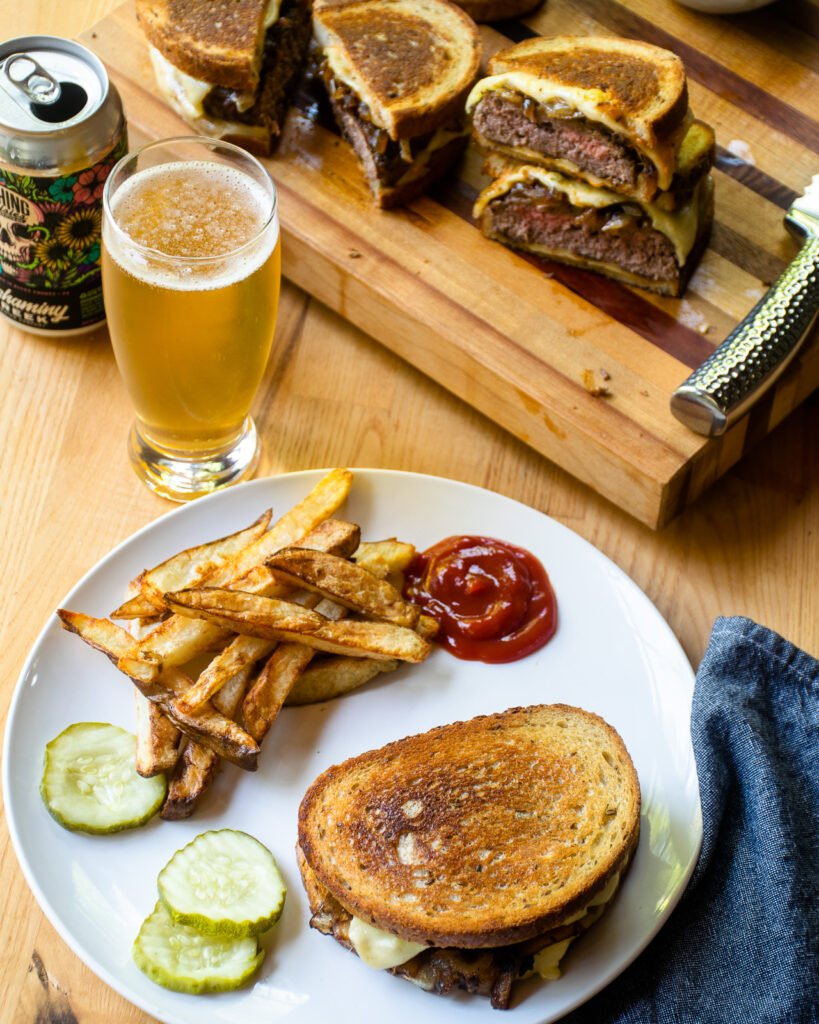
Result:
[{"x": 579, "y": 367}]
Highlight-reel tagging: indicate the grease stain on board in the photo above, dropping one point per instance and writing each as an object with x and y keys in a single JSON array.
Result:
[{"x": 532, "y": 406}]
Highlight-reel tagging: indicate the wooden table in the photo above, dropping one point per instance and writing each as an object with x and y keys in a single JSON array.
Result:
[{"x": 332, "y": 396}]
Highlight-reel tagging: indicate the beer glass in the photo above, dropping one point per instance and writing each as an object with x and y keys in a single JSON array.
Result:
[{"x": 191, "y": 266}]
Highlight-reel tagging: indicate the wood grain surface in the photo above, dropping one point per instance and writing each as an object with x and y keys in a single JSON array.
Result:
[
  {"x": 525, "y": 340},
  {"x": 333, "y": 396}
]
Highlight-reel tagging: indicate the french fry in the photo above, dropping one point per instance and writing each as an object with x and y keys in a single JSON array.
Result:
[
  {"x": 242, "y": 652},
  {"x": 207, "y": 725},
  {"x": 177, "y": 640},
  {"x": 279, "y": 620},
  {"x": 266, "y": 697},
  {"x": 427, "y": 626},
  {"x": 285, "y": 669},
  {"x": 396, "y": 554},
  {"x": 344, "y": 582},
  {"x": 137, "y": 607},
  {"x": 195, "y": 771},
  {"x": 331, "y": 677},
  {"x": 198, "y": 766},
  {"x": 337, "y": 536},
  {"x": 157, "y": 743},
  {"x": 188, "y": 568},
  {"x": 321, "y": 503}
]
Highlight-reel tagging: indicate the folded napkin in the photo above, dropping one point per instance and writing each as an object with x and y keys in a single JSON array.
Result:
[{"x": 742, "y": 946}]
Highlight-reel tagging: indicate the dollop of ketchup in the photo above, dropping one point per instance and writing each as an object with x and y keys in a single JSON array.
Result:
[{"x": 493, "y": 600}]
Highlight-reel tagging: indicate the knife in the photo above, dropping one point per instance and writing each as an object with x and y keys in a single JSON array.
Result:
[{"x": 756, "y": 352}]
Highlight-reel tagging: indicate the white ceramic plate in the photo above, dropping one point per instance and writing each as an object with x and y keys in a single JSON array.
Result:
[{"x": 612, "y": 654}]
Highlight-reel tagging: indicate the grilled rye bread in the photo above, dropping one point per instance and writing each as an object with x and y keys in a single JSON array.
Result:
[
  {"x": 610, "y": 111},
  {"x": 483, "y": 841},
  {"x": 218, "y": 41},
  {"x": 397, "y": 73}
]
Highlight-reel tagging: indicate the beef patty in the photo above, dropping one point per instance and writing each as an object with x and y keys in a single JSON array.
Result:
[
  {"x": 622, "y": 234},
  {"x": 514, "y": 120}
]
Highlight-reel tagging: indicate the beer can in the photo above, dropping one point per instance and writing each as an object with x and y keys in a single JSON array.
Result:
[{"x": 62, "y": 129}]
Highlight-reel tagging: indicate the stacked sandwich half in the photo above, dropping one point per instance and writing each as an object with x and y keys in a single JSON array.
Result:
[{"x": 596, "y": 158}]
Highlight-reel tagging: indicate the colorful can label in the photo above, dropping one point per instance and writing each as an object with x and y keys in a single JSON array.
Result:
[{"x": 50, "y": 229}]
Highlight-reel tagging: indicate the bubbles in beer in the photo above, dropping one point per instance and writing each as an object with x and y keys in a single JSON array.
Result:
[{"x": 191, "y": 210}]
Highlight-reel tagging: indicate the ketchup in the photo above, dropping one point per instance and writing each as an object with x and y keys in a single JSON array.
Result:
[{"x": 493, "y": 600}]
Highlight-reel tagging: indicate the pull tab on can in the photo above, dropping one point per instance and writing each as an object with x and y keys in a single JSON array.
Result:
[{"x": 32, "y": 79}]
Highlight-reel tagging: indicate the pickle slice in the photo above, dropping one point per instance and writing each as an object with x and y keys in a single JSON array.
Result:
[
  {"x": 90, "y": 782},
  {"x": 223, "y": 883},
  {"x": 185, "y": 960}
]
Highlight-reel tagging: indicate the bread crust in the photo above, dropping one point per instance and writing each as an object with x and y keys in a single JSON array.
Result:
[
  {"x": 415, "y": 60},
  {"x": 476, "y": 834},
  {"x": 218, "y": 42}
]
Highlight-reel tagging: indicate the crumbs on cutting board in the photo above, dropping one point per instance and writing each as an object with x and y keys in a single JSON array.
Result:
[{"x": 593, "y": 386}]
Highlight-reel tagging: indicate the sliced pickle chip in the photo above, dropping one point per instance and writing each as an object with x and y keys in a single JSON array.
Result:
[
  {"x": 90, "y": 782},
  {"x": 184, "y": 959},
  {"x": 223, "y": 883}
]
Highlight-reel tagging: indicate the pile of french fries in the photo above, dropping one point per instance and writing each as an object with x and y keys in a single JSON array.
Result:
[{"x": 223, "y": 635}]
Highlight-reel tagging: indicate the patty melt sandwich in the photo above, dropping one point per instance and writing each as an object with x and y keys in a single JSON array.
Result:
[
  {"x": 228, "y": 67},
  {"x": 397, "y": 73},
  {"x": 639, "y": 243},
  {"x": 474, "y": 854},
  {"x": 613, "y": 112}
]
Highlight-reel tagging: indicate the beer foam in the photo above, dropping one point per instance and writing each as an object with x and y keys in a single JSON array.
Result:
[{"x": 189, "y": 212}]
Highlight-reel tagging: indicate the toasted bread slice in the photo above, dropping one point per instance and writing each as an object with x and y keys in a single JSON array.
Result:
[
  {"x": 219, "y": 41},
  {"x": 638, "y": 243},
  {"x": 410, "y": 62},
  {"x": 611, "y": 111},
  {"x": 477, "y": 834}
]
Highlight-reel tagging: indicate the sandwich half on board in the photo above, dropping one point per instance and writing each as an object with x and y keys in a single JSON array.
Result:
[
  {"x": 228, "y": 67},
  {"x": 637, "y": 242},
  {"x": 472, "y": 855},
  {"x": 596, "y": 158},
  {"x": 612, "y": 112},
  {"x": 397, "y": 73}
]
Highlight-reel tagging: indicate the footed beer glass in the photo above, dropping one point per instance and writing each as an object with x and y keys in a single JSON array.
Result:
[{"x": 191, "y": 268}]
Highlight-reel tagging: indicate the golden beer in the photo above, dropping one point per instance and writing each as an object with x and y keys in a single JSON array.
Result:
[{"x": 191, "y": 267}]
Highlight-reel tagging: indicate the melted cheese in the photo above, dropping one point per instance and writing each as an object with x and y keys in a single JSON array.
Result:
[
  {"x": 593, "y": 104},
  {"x": 679, "y": 226},
  {"x": 187, "y": 92},
  {"x": 547, "y": 961},
  {"x": 380, "y": 949}
]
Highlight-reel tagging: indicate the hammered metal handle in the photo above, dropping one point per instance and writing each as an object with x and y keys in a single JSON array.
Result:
[{"x": 755, "y": 352}]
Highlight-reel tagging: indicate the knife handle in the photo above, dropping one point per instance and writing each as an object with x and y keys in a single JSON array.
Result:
[{"x": 755, "y": 353}]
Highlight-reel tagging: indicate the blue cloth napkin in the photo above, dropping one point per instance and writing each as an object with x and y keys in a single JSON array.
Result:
[{"x": 742, "y": 946}]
